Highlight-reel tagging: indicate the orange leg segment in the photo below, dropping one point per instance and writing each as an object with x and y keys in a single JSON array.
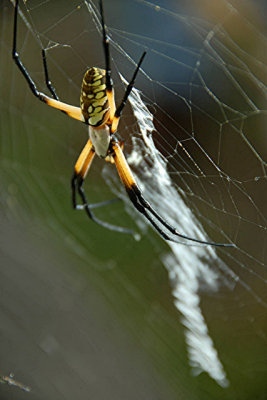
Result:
[
  {"x": 123, "y": 168},
  {"x": 71, "y": 111},
  {"x": 85, "y": 159},
  {"x": 114, "y": 125},
  {"x": 111, "y": 102}
]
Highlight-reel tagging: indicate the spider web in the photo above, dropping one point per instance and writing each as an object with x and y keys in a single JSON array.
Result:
[{"x": 194, "y": 137}]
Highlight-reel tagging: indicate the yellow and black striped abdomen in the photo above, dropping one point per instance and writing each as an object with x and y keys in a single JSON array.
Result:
[{"x": 94, "y": 101}]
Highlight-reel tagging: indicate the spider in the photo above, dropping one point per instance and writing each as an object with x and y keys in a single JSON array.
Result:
[{"x": 98, "y": 111}]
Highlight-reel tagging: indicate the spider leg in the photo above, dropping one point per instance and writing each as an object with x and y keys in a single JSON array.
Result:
[
  {"x": 109, "y": 84},
  {"x": 129, "y": 88},
  {"x": 49, "y": 83},
  {"x": 81, "y": 168},
  {"x": 115, "y": 113},
  {"x": 80, "y": 171},
  {"x": 71, "y": 111},
  {"x": 47, "y": 79},
  {"x": 106, "y": 48},
  {"x": 143, "y": 206}
]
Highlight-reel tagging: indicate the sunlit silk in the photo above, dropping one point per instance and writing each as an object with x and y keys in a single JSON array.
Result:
[{"x": 187, "y": 264}]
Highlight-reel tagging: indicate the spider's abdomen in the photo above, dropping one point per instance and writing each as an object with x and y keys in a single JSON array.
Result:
[{"x": 94, "y": 101}]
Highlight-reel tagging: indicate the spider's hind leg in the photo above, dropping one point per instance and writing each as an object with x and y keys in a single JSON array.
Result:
[
  {"x": 81, "y": 169},
  {"x": 77, "y": 185},
  {"x": 144, "y": 207}
]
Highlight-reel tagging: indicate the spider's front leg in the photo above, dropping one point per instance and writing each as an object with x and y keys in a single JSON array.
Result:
[
  {"x": 47, "y": 78},
  {"x": 71, "y": 111}
]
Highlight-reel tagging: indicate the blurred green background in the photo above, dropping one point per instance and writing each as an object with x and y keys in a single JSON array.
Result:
[{"x": 85, "y": 312}]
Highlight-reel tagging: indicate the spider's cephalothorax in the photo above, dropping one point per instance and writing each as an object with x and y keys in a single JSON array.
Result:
[
  {"x": 94, "y": 100},
  {"x": 98, "y": 110}
]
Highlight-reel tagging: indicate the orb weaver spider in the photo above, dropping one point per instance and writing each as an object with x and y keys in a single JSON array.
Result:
[{"x": 98, "y": 111}]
